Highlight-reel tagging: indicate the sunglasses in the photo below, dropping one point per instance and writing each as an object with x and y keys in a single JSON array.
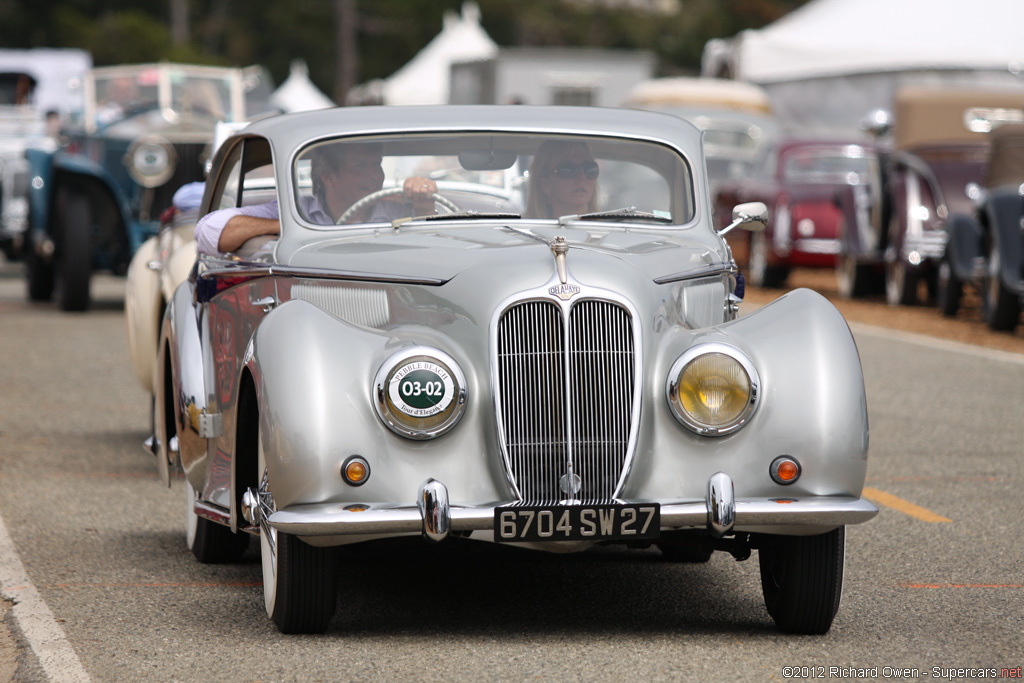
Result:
[{"x": 570, "y": 170}]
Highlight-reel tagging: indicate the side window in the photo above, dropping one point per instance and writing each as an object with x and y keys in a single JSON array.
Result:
[
  {"x": 766, "y": 165},
  {"x": 258, "y": 186},
  {"x": 225, "y": 192}
]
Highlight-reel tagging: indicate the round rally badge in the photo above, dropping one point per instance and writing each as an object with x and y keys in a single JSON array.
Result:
[{"x": 421, "y": 389}]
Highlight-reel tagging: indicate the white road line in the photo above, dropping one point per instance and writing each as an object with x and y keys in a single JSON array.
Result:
[
  {"x": 937, "y": 343},
  {"x": 35, "y": 619}
]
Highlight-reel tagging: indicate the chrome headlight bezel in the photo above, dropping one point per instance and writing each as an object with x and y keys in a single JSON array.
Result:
[
  {"x": 151, "y": 160},
  {"x": 690, "y": 421},
  {"x": 427, "y": 420}
]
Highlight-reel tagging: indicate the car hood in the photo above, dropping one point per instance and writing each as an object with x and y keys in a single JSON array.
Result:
[
  {"x": 443, "y": 253},
  {"x": 177, "y": 127}
]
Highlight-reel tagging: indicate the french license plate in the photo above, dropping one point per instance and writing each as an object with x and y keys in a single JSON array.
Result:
[{"x": 613, "y": 522}]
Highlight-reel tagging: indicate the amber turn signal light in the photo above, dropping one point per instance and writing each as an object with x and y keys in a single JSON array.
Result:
[
  {"x": 355, "y": 471},
  {"x": 784, "y": 470}
]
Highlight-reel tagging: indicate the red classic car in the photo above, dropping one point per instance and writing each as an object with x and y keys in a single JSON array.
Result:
[{"x": 801, "y": 181}]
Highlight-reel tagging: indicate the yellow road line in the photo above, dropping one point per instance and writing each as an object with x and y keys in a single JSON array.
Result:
[{"x": 906, "y": 507}]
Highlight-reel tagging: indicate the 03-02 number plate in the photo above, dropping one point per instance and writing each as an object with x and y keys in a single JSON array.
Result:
[{"x": 618, "y": 522}]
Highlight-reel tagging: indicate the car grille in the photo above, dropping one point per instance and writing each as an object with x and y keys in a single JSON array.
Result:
[
  {"x": 566, "y": 394},
  {"x": 190, "y": 168}
]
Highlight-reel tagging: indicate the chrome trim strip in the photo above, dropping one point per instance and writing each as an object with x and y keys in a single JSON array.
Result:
[
  {"x": 212, "y": 512},
  {"x": 817, "y": 245},
  {"x": 723, "y": 268},
  {"x": 333, "y": 519},
  {"x": 263, "y": 270},
  {"x": 929, "y": 244}
]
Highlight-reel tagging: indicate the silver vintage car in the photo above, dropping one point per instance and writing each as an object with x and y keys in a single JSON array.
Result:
[{"x": 498, "y": 372}]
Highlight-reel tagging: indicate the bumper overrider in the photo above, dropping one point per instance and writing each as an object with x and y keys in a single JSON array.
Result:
[{"x": 434, "y": 516}]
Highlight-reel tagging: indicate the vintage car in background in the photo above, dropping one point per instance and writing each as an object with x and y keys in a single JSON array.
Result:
[
  {"x": 486, "y": 373},
  {"x": 146, "y": 130},
  {"x": 986, "y": 246},
  {"x": 38, "y": 87},
  {"x": 736, "y": 118},
  {"x": 161, "y": 264},
  {"x": 939, "y": 147},
  {"x": 801, "y": 181}
]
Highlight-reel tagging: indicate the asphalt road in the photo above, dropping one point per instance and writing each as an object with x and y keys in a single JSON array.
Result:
[{"x": 108, "y": 591}]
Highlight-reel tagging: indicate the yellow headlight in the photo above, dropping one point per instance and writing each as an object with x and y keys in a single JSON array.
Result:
[{"x": 713, "y": 389}]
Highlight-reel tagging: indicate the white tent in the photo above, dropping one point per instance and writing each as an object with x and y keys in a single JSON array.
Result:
[
  {"x": 833, "y": 60},
  {"x": 298, "y": 93},
  {"x": 58, "y": 73},
  {"x": 425, "y": 78}
]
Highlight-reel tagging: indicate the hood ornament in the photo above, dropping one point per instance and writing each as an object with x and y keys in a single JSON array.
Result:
[
  {"x": 564, "y": 291},
  {"x": 559, "y": 247}
]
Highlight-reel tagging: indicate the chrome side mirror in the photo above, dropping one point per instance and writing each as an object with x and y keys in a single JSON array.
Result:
[
  {"x": 878, "y": 122},
  {"x": 752, "y": 216}
]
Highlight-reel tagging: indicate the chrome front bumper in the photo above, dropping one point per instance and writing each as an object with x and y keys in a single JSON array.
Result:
[
  {"x": 433, "y": 516},
  {"x": 817, "y": 245}
]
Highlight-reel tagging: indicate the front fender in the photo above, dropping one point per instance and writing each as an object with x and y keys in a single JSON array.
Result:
[
  {"x": 1004, "y": 210},
  {"x": 964, "y": 245},
  {"x": 181, "y": 366},
  {"x": 178, "y": 261},
  {"x": 314, "y": 377},
  {"x": 40, "y": 163},
  {"x": 48, "y": 170},
  {"x": 859, "y": 236},
  {"x": 142, "y": 313},
  {"x": 313, "y": 394},
  {"x": 812, "y": 406}
]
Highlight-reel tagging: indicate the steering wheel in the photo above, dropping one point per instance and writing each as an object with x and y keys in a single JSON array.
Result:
[{"x": 374, "y": 197}]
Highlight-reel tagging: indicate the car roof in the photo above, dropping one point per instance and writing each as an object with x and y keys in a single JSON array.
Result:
[
  {"x": 290, "y": 131},
  {"x": 936, "y": 116}
]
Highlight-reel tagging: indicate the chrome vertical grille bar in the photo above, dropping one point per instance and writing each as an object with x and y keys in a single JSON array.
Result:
[
  {"x": 601, "y": 355},
  {"x": 531, "y": 360},
  {"x": 542, "y": 410}
]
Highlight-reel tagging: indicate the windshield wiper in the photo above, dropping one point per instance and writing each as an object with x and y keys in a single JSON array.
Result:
[
  {"x": 469, "y": 215},
  {"x": 625, "y": 212},
  {"x": 462, "y": 216}
]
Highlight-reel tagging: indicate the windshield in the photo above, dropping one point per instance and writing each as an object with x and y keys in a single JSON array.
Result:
[
  {"x": 350, "y": 181},
  {"x": 204, "y": 91},
  {"x": 849, "y": 164}
]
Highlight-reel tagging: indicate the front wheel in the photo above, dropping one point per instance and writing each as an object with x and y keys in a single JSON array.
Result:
[
  {"x": 761, "y": 273},
  {"x": 74, "y": 250},
  {"x": 802, "y": 579},
  {"x": 948, "y": 290},
  {"x": 300, "y": 581},
  {"x": 849, "y": 277},
  {"x": 1002, "y": 307},
  {"x": 900, "y": 284},
  {"x": 210, "y": 542},
  {"x": 38, "y": 270}
]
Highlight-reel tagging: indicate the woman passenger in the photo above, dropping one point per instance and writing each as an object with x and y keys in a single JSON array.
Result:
[{"x": 563, "y": 180}]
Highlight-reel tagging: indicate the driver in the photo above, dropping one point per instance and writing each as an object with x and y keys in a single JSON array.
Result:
[{"x": 342, "y": 175}]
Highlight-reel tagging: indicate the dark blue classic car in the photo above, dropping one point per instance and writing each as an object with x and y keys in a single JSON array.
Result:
[
  {"x": 144, "y": 132},
  {"x": 986, "y": 247}
]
